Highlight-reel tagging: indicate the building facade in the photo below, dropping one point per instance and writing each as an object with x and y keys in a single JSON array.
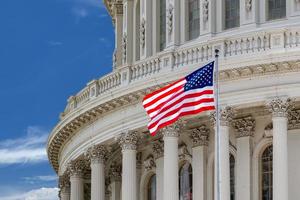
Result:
[{"x": 101, "y": 148}]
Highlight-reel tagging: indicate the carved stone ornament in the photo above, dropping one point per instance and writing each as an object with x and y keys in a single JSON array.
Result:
[
  {"x": 97, "y": 154},
  {"x": 149, "y": 163},
  {"x": 226, "y": 115},
  {"x": 129, "y": 140},
  {"x": 124, "y": 47},
  {"x": 170, "y": 12},
  {"x": 269, "y": 130},
  {"x": 279, "y": 107},
  {"x": 294, "y": 119},
  {"x": 248, "y": 5},
  {"x": 64, "y": 182},
  {"x": 143, "y": 32},
  {"x": 244, "y": 126},
  {"x": 118, "y": 8},
  {"x": 77, "y": 167},
  {"x": 205, "y": 10},
  {"x": 158, "y": 149},
  {"x": 183, "y": 152},
  {"x": 200, "y": 136},
  {"x": 115, "y": 172}
]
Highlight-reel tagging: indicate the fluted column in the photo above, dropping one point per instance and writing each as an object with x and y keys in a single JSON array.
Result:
[
  {"x": 171, "y": 182},
  {"x": 97, "y": 155},
  {"x": 158, "y": 150},
  {"x": 118, "y": 16},
  {"x": 64, "y": 185},
  {"x": 279, "y": 108},
  {"x": 199, "y": 137},
  {"x": 76, "y": 169},
  {"x": 244, "y": 128},
  {"x": 128, "y": 143},
  {"x": 225, "y": 117},
  {"x": 115, "y": 178},
  {"x": 127, "y": 39}
]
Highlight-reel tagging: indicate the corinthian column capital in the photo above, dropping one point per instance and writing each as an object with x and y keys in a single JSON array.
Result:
[
  {"x": 97, "y": 154},
  {"x": 244, "y": 126},
  {"x": 172, "y": 130},
  {"x": 279, "y": 107},
  {"x": 226, "y": 115},
  {"x": 200, "y": 136},
  {"x": 64, "y": 182},
  {"x": 77, "y": 167},
  {"x": 129, "y": 140}
]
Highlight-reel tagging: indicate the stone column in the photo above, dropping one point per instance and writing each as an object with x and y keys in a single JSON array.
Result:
[
  {"x": 247, "y": 12},
  {"x": 279, "y": 108},
  {"x": 172, "y": 23},
  {"x": 64, "y": 185},
  {"x": 171, "y": 182},
  {"x": 158, "y": 150},
  {"x": 245, "y": 128},
  {"x": 226, "y": 115},
  {"x": 127, "y": 39},
  {"x": 128, "y": 143},
  {"x": 199, "y": 137},
  {"x": 97, "y": 155},
  {"x": 76, "y": 169},
  {"x": 118, "y": 17},
  {"x": 115, "y": 178}
]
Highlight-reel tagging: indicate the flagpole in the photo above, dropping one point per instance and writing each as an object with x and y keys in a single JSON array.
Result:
[{"x": 217, "y": 87}]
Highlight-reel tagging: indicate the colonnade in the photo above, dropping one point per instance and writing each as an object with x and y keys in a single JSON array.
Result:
[{"x": 166, "y": 156}]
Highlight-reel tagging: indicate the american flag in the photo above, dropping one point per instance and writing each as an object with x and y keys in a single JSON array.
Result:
[{"x": 190, "y": 95}]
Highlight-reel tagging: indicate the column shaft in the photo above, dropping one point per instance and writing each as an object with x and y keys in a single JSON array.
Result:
[
  {"x": 129, "y": 189},
  {"x": 77, "y": 189},
  {"x": 116, "y": 190},
  {"x": 97, "y": 181},
  {"x": 160, "y": 178},
  {"x": 243, "y": 185},
  {"x": 171, "y": 183},
  {"x": 280, "y": 159},
  {"x": 65, "y": 194},
  {"x": 199, "y": 172}
]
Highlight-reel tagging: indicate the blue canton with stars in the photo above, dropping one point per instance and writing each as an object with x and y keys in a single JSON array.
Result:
[{"x": 200, "y": 78}]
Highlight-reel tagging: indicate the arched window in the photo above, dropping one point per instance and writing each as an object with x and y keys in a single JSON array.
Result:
[
  {"x": 232, "y": 13},
  {"x": 276, "y": 9},
  {"x": 194, "y": 19},
  {"x": 162, "y": 25},
  {"x": 232, "y": 177},
  {"x": 137, "y": 31},
  {"x": 267, "y": 174},
  {"x": 151, "y": 189},
  {"x": 186, "y": 182}
]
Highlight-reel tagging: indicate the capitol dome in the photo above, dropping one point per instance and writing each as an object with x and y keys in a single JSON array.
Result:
[{"x": 101, "y": 148}]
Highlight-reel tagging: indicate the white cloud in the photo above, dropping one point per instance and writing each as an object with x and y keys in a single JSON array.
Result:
[
  {"x": 28, "y": 149},
  {"x": 54, "y": 43},
  {"x": 37, "y": 179},
  {"x": 80, "y": 12},
  {"x": 38, "y": 194}
]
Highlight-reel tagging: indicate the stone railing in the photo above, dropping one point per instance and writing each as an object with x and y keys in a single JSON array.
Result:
[{"x": 245, "y": 44}]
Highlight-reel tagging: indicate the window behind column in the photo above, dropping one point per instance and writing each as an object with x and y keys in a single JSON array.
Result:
[
  {"x": 151, "y": 189},
  {"x": 186, "y": 182},
  {"x": 162, "y": 24},
  {"x": 232, "y": 177},
  {"x": 194, "y": 19},
  {"x": 232, "y": 13},
  {"x": 276, "y": 9},
  {"x": 267, "y": 174}
]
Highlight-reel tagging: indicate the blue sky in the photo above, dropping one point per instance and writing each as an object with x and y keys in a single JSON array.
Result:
[{"x": 49, "y": 50}]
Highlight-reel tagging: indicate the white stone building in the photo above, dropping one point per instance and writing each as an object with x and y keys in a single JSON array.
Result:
[{"x": 101, "y": 148}]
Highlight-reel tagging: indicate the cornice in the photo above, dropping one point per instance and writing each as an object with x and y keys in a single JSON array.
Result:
[{"x": 91, "y": 111}]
